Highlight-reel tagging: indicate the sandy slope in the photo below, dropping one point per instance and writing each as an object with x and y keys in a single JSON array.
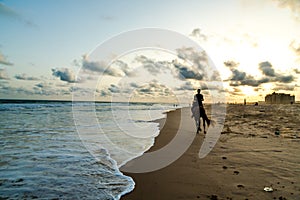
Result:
[{"x": 247, "y": 157}]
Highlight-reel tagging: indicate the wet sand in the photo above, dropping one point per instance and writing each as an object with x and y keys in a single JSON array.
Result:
[{"x": 247, "y": 157}]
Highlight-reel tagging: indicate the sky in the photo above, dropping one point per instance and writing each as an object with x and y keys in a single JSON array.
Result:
[{"x": 48, "y": 50}]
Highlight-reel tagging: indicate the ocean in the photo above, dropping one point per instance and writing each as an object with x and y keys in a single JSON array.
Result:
[{"x": 65, "y": 150}]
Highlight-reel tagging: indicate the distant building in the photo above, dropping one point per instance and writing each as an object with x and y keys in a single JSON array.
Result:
[{"x": 279, "y": 98}]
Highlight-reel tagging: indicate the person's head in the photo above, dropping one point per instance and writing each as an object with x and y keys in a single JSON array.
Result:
[{"x": 198, "y": 91}]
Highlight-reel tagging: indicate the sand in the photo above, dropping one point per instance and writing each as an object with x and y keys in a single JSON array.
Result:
[{"x": 247, "y": 157}]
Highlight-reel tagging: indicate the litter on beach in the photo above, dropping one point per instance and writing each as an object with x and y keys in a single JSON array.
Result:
[{"x": 268, "y": 189}]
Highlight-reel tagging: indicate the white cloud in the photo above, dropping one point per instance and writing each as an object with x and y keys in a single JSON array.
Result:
[
  {"x": 26, "y": 77},
  {"x": 4, "y": 61},
  {"x": 3, "y": 74}
]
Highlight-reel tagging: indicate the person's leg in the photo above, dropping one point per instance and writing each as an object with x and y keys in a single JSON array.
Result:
[
  {"x": 198, "y": 125},
  {"x": 205, "y": 118}
]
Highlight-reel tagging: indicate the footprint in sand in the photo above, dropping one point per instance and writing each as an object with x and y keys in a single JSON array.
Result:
[
  {"x": 240, "y": 186},
  {"x": 236, "y": 172}
]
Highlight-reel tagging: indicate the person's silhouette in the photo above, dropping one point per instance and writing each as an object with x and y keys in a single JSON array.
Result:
[{"x": 199, "y": 98}]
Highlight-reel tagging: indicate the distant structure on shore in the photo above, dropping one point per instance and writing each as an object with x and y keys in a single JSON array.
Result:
[{"x": 279, "y": 98}]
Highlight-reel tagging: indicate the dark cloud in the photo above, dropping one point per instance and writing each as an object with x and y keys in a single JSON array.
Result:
[
  {"x": 267, "y": 69},
  {"x": 285, "y": 79},
  {"x": 240, "y": 78},
  {"x": 64, "y": 74},
  {"x": 231, "y": 64},
  {"x": 297, "y": 71},
  {"x": 104, "y": 93},
  {"x": 250, "y": 81},
  {"x": 237, "y": 75},
  {"x": 185, "y": 72},
  {"x": 114, "y": 89},
  {"x": 190, "y": 65},
  {"x": 25, "y": 77},
  {"x": 3, "y": 74},
  {"x": 199, "y": 34}
]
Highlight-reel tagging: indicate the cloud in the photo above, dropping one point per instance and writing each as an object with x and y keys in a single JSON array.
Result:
[
  {"x": 185, "y": 72},
  {"x": 99, "y": 67},
  {"x": 152, "y": 66},
  {"x": 125, "y": 68},
  {"x": 153, "y": 89},
  {"x": 295, "y": 46},
  {"x": 3, "y": 74},
  {"x": 297, "y": 71},
  {"x": 285, "y": 79},
  {"x": 240, "y": 78},
  {"x": 8, "y": 90},
  {"x": 134, "y": 85},
  {"x": 103, "y": 93},
  {"x": 25, "y": 77},
  {"x": 197, "y": 32},
  {"x": 250, "y": 39},
  {"x": 234, "y": 92},
  {"x": 64, "y": 74},
  {"x": 231, "y": 64},
  {"x": 186, "y": 86},
  {"x": 216, "y": 76},
  {"x": 3, "y": 60},
  {"x": 212, "y": 86},
  {"x": 199, "y": 59},
  {"x": 107, "y": 17},
  {"x": 284, "y": 87},
  {"x": 293, "y": 5},
  {"x": 12, "y": 14},
  {"x": 267, "y": 69},
  {"x": 43, "y": 85},
  {"x": 237, "y": 75},
  {"x": 114, "y": 89},
  {"x": 49, "y": 89},
  {"x": 41, "y": 89},
  {"x": 202, "y": 85}
]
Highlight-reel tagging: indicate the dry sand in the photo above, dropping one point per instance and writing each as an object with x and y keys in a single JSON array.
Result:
[{"x": 247, "y": 157}]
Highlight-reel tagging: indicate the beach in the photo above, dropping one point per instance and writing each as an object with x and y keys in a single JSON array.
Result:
[{"x": 258, "y": 149}]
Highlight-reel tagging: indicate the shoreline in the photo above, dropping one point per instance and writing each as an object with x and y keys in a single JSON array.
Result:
[{"x": 238, "y": 167}]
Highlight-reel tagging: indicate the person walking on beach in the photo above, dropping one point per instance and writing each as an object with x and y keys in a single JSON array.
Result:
[{"x": 198, "y": 98}]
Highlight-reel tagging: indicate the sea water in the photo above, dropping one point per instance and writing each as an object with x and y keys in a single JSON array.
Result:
[{"x": 46, "y": 155}]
